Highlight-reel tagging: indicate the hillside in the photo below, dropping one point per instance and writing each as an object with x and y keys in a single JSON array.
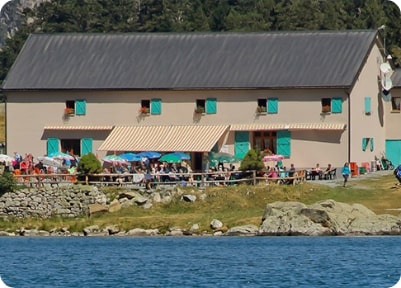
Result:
[{"x": 10, "y": 17}]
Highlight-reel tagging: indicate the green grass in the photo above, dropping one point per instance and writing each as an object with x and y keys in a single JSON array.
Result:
[{"x": 234, "y": 205}]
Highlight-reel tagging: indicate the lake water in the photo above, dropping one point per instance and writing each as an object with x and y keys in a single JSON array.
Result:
[{"x": 200, "y": 261}]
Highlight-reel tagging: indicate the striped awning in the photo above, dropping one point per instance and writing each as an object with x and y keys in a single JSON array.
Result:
[
  {"x": 88, "y": 127},
  {"x": 191, "y": 138},
  {"x": 288, "y": 126}
]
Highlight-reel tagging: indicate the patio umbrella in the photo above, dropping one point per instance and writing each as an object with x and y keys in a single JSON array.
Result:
[
  {"x": 114, "y": 159},
  {"x": 273, "y": 158},
  {"x": 130, "y": 157},
  {"x": 49, "y": 161},
  {"x": 170, "y": 158},
  {"x": 222, "y": 157},
  {"x": 182, "y": 155},
  {"x": 150, "y": 154},
  {"x": 61, "y": 156},
  {"x": 6, "y": 158}
]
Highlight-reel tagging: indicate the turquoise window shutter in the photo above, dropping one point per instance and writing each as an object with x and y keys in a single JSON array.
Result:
[
  {"x": 211, "y": 106},
  {"x": 156, "y": 107},
  {"x": 241, "y": 145},
  {"x": 364, "y": 143},
  {"x": 367, "y": 105},
  {"x": 284, "y": 143},
  {"x": 52, "y": 145},
  {"x": 336, "y": 105},
  {"x": 86, "y": 146},
  {"x": 272, "y": 105},
  {"x": 371, "y": 144},
  {"x": 80, "y": 107}
]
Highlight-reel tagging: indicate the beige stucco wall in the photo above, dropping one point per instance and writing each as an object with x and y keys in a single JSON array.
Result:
[
  {"x": 364, "y": 125},
  {"x": 26, "y": 118}
]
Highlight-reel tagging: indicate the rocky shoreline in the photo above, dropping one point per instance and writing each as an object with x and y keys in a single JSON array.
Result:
[{"x": 324, "y": 218}]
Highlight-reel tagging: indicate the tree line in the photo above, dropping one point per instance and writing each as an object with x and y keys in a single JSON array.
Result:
[{"x": 101, "y": 16}]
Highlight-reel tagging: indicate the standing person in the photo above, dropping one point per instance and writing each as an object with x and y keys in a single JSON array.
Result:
[
  {"x": 346, "y": 172},
  {"x": 397, "y": 174}
]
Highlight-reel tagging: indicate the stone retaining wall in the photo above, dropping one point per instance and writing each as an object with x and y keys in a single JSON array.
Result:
[{"x": 67, "y": 201}]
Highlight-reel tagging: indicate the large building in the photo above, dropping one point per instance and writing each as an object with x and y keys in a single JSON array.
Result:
[{"x": 314, "y": 97}]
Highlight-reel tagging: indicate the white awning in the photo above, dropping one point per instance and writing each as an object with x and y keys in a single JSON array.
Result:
[
  {"x": 287, "y": 126},
  {"x": 87, "y": 127},
  {"x": 191, "y": 138}
]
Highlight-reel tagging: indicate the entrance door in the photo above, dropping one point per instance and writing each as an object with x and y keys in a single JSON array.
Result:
[{"x": 393, "y": 151}]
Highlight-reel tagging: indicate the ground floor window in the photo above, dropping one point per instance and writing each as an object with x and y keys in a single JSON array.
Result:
[
  {"x": 71, "y": 146},
  {"x": 263, "y": 140}
]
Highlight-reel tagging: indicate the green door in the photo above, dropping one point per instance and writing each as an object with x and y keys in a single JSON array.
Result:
[
  {"x": 393, "y": 151},
  {"x": 241, "y": 146}
]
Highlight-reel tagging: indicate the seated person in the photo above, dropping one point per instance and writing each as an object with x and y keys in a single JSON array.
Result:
[
  {"x": 326, "y": 172},
  {"x": 316, "y": 172},
  {"x": 272, "y": 173}
]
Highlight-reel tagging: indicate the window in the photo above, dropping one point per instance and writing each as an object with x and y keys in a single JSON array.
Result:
[
  {"x": 77, "y": 107},
  {"x": 70, "y": 108},
  {"x": 71, "y": 146},
  {"x": 262, "y": 106},
  {"x": 272, "y": 105},
  {"x": 200, "y": 106},
  {"x": 326, "y": 105},
  {"x": 367, "y": 142},
  {"x": 395, "y": 103},
  {"x": 263, "y": 140},
  {"x": 145, "y": 107},
  {"x": 367, "y": 105}
]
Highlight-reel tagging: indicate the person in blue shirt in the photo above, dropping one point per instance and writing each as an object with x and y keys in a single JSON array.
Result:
[
  {"x": 346, "y": 172},
  {"x": 397, "y": 174}
]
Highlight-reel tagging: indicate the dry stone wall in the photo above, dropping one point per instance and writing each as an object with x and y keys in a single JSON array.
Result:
[{"x": 68, "y": 201}]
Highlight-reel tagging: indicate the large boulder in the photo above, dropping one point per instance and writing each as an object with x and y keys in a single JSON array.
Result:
[{"x": 326, "y": 217}]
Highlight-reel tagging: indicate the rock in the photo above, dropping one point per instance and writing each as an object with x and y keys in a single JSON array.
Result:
[
  {"x": 189, "y": 198},
  {"x": 245, "y": 230},
  {"x": 114, "y": 206},
  {"x": 97, "y": 208},
  {"x": 216, "y": 224},
  {"x": 142, "y": 232},
  {"x": 326, "y": 217},
  {"x": 114, "y": 229}
]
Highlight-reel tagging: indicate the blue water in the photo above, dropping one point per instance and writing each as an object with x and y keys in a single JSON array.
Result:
[{"x": 200, "y": 261}]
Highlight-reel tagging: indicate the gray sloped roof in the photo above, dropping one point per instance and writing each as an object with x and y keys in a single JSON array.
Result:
[{"x": 190, "y": 60}]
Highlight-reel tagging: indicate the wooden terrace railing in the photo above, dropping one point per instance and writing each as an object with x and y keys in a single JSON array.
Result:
[{"x": 195, "y": 179}]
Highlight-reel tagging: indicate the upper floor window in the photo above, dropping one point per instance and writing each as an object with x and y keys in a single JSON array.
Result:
[
  {"x": 145, "y": 107},
  {"x": 269, "y": 105},
  {"x": 333, "y": 105},
  {"x": 152, "y": 106},
  {"x": 367, "y": 105},
  {"x": 208, "y": 106},
  {"x": 77, "y": 107}
]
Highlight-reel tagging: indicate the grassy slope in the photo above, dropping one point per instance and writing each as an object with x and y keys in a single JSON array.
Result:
[{"x": 234, "y": 206}]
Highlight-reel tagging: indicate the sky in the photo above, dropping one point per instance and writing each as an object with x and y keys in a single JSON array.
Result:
[
  {"x": 2, "y": 2},
  {"x": 397, "y": 2}
]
